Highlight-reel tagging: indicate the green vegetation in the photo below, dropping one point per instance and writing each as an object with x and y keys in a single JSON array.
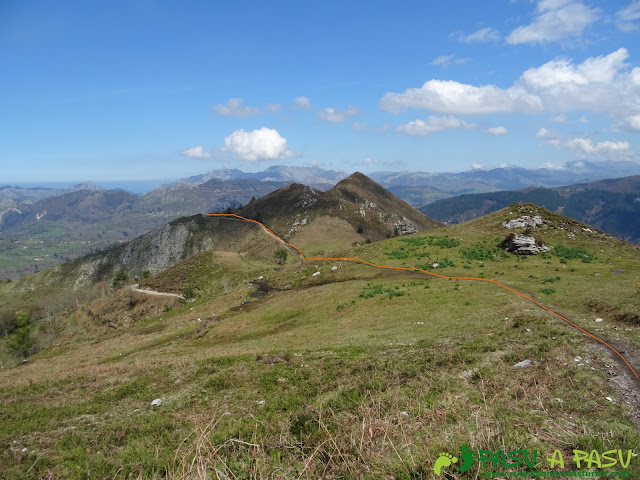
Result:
[
  {"x": 573, "y": 253},
  {"x": 119, "y": 279},
  {"x": 358, "y": 373},
  {"x": 21, "y": 342},
  {"x": 281, "y": 256}
]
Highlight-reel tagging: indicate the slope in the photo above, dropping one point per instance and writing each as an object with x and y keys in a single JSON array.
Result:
[
  {"x": 354, "y": 372},
  {"x": 610, "y": 204}
]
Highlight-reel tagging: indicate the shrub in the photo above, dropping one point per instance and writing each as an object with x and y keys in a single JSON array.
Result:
[
  {"x": 281, "y": 256},
  {"x": 119, "y": 279},
  {"x": 21, "y": 341}
]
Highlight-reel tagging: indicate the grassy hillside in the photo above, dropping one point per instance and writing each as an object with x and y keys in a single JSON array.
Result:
[
  {"x": 611, "y": 205},
  {"x": 357, "y": 372}
]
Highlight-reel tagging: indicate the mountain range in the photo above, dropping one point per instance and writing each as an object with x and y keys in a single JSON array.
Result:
[
  {"x": 612, "y": 205},
  {"x": 41, "y": 227}
]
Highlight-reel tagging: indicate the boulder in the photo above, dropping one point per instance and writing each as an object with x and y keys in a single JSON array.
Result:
[{"x": 523, "y": 245}]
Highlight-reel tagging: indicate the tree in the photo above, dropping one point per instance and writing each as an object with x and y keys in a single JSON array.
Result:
[
  {"x": 21, "y": 340},
  {"x": 281, "y": 256},
  {"x": 119, "y": 279}
]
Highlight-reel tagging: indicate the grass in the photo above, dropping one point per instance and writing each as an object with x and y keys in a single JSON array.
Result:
[{"x": 355, "y": 373}]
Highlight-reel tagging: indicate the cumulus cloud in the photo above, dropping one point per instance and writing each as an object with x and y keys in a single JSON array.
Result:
[
  {"x": 335, "y": 115},
  {"x": 369, "y": 161},
  {"x": 626, "y": 17},
  {"x": 555, "y": 20},
  {"x": 302, "y": 103},
  {"x": 262, "y": 144},
  {"x": 497, "y": 131},
  {"x": 235, "y": 107},
  {"x": 586, "y": 148},
  {"x": 484, "y": 35},
  {"x": 449, "y": 96},
  {"x": 433, "y": 124},
  {"x": 196, "y": 152},
  {"x": 477, "y": 166},
  {"x": 602, "y": 84}
]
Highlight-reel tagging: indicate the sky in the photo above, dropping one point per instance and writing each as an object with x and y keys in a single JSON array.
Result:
[{"x": 150, "y": 90}]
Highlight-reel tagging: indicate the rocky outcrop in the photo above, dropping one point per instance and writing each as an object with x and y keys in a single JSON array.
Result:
[
  {"x": 523, "y": 245},
  {"x": 525, "y": 221}
]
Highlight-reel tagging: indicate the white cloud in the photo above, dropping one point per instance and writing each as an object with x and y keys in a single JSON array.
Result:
[
  {"x": 497, "y": 131},
  {"x": 433, "y": 124},
  {"x": 196, "y": 152},
  {"x": 448, "y": 96},
  {"x": 445, "y": 60},
  {"x": 369, "y": 161},
  {"x": 273, "y": 108},
  {"x": 553, "y": 166},
  {"x": 302, "y": 103},
  {"x": 586, "y": 148},
  {"x": 477, "y": 166},
  {"x": 484, "y": 35},
  {"x": 235, "y": 107},
  {"x": 626, "y": 17},
  {"x": 442, "y": 60},
  {"x": 560, "y": 118},
  {"x": 555, "y": 20},
  {"x": 335, "y": 115},
  {"x": 601, "y": 84},
  {"x": 262, "y": 144}
]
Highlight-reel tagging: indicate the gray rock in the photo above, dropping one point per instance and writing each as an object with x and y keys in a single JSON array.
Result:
[
  {"x": 523, "y": 245},
  {"x": 525, "y": 221},
  {"x": 157, "y": 402},
  {"x": 522, "y": 364}
]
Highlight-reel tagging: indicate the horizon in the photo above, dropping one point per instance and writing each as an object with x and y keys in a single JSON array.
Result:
[{"x": 175, "y": 92}]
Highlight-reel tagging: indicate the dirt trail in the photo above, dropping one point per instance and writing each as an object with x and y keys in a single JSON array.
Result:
[{"x": 135, "y": 288}]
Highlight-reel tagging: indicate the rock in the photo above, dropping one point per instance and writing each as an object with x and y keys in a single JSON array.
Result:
[
  {"x": 157, "y": 402},
  {"x": 26, "y": 450},
  {"x": 610, "y": 399},
  {"x": 406, "y": 414},
  {"x": 315, "y": 274},
  {"x": 334, "y": 268},
  {"x": 522, "y": 245},
  {"x": 467, "y": 374},
  {"x": 524, "y": 221},
  {"x": 528, "y": 330},
  {"x": 435, "y": 265},
  {"x": 261, "y": 402},
  {"x": 522, "y": 364},
  {"x": 599, "y": 320},
  {"x": 577, "y": 359}
]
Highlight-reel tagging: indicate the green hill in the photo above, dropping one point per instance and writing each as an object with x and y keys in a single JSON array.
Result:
[{"x": 278, "y": 371}]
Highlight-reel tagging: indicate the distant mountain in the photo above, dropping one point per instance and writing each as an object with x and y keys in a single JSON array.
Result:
[
  {"x": 507, "y": 178},
  {"x": 612, "y": 205},
  {"x": 29, "y": 195},
  {"x": 313, "y": 176},
  {"x": 356, "y": 210}
]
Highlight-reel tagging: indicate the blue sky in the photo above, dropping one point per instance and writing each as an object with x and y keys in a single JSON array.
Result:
[{"x": 125, "y": 90}]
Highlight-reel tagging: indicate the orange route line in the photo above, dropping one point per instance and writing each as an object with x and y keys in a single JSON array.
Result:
[{"x": 432, "y": 274}]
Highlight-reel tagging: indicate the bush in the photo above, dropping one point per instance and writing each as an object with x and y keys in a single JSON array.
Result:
[
  {"x": 638, "y": 288},
  {"x": 119, "y": 279},
  {"x": 281, "y": 256},
  {"x": 21, "y": 341}
]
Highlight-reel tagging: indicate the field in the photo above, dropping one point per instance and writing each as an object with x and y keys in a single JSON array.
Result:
[{"x": 356, "y": 372}]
